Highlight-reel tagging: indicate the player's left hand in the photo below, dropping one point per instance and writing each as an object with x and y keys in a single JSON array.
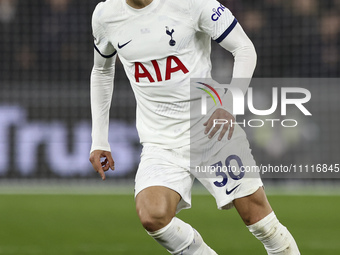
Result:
[{"x": 220, "y": 114}]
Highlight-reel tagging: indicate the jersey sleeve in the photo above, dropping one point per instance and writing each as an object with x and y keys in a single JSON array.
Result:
[
  {"x": 214, "y": 19},
  {"x": 101, "y": 41}
]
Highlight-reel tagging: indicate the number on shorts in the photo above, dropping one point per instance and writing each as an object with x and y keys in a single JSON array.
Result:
[{"x": 230, "y": 170}]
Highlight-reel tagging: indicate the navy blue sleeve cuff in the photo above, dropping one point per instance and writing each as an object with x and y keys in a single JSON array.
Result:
[
  {"x": 227, "y": 32},
  {"x": 104, "y": 56}
]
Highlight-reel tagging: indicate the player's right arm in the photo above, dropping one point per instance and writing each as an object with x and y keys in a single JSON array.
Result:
[
  {"x": 220, "y": 24},
  {"x": 101, "y": 95}
]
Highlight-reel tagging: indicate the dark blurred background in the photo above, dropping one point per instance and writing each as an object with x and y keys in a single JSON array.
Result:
[{"x": 46, "y": 53}]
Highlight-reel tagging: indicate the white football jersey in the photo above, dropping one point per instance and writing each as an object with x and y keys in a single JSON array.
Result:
[{"x": 162, "y": 46}]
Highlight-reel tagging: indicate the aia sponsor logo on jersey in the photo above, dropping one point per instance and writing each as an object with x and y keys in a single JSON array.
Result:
[
  {"x": 217, "y": 12},
  {"x": 173, "y": 65}
]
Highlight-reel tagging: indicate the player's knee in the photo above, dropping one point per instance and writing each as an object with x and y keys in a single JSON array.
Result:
[
  {"x": 153, "y": 220},
  {"x": 251, "y": 218},
  {"x": 253, "y": 208}
]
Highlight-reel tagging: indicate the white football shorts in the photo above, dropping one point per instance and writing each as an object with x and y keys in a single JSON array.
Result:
[{"x": 227, "y": 169}]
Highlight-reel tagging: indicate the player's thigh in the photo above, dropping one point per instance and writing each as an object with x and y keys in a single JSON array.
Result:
[
  {"x": 254, "y": 207},
  {"x": 157, "y": 203},
  {"x": 162, "y": 177}
]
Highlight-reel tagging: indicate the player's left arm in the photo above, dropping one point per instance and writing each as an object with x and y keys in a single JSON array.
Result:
[{"x": 245, "y": 57}]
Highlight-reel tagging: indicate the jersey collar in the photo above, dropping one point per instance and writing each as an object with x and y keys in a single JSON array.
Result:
[{"x": 147, "y": 8}]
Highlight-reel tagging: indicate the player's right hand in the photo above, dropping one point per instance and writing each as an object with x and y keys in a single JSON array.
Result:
[{"x": 102, "y": 166}]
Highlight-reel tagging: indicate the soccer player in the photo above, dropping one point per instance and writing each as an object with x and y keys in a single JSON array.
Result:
[{"x": 162, "y": 45}]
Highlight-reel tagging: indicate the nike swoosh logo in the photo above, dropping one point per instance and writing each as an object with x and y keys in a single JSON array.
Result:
[
  {"x": 232, "y": 190},
  {"x": 121, "y": 46}
]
